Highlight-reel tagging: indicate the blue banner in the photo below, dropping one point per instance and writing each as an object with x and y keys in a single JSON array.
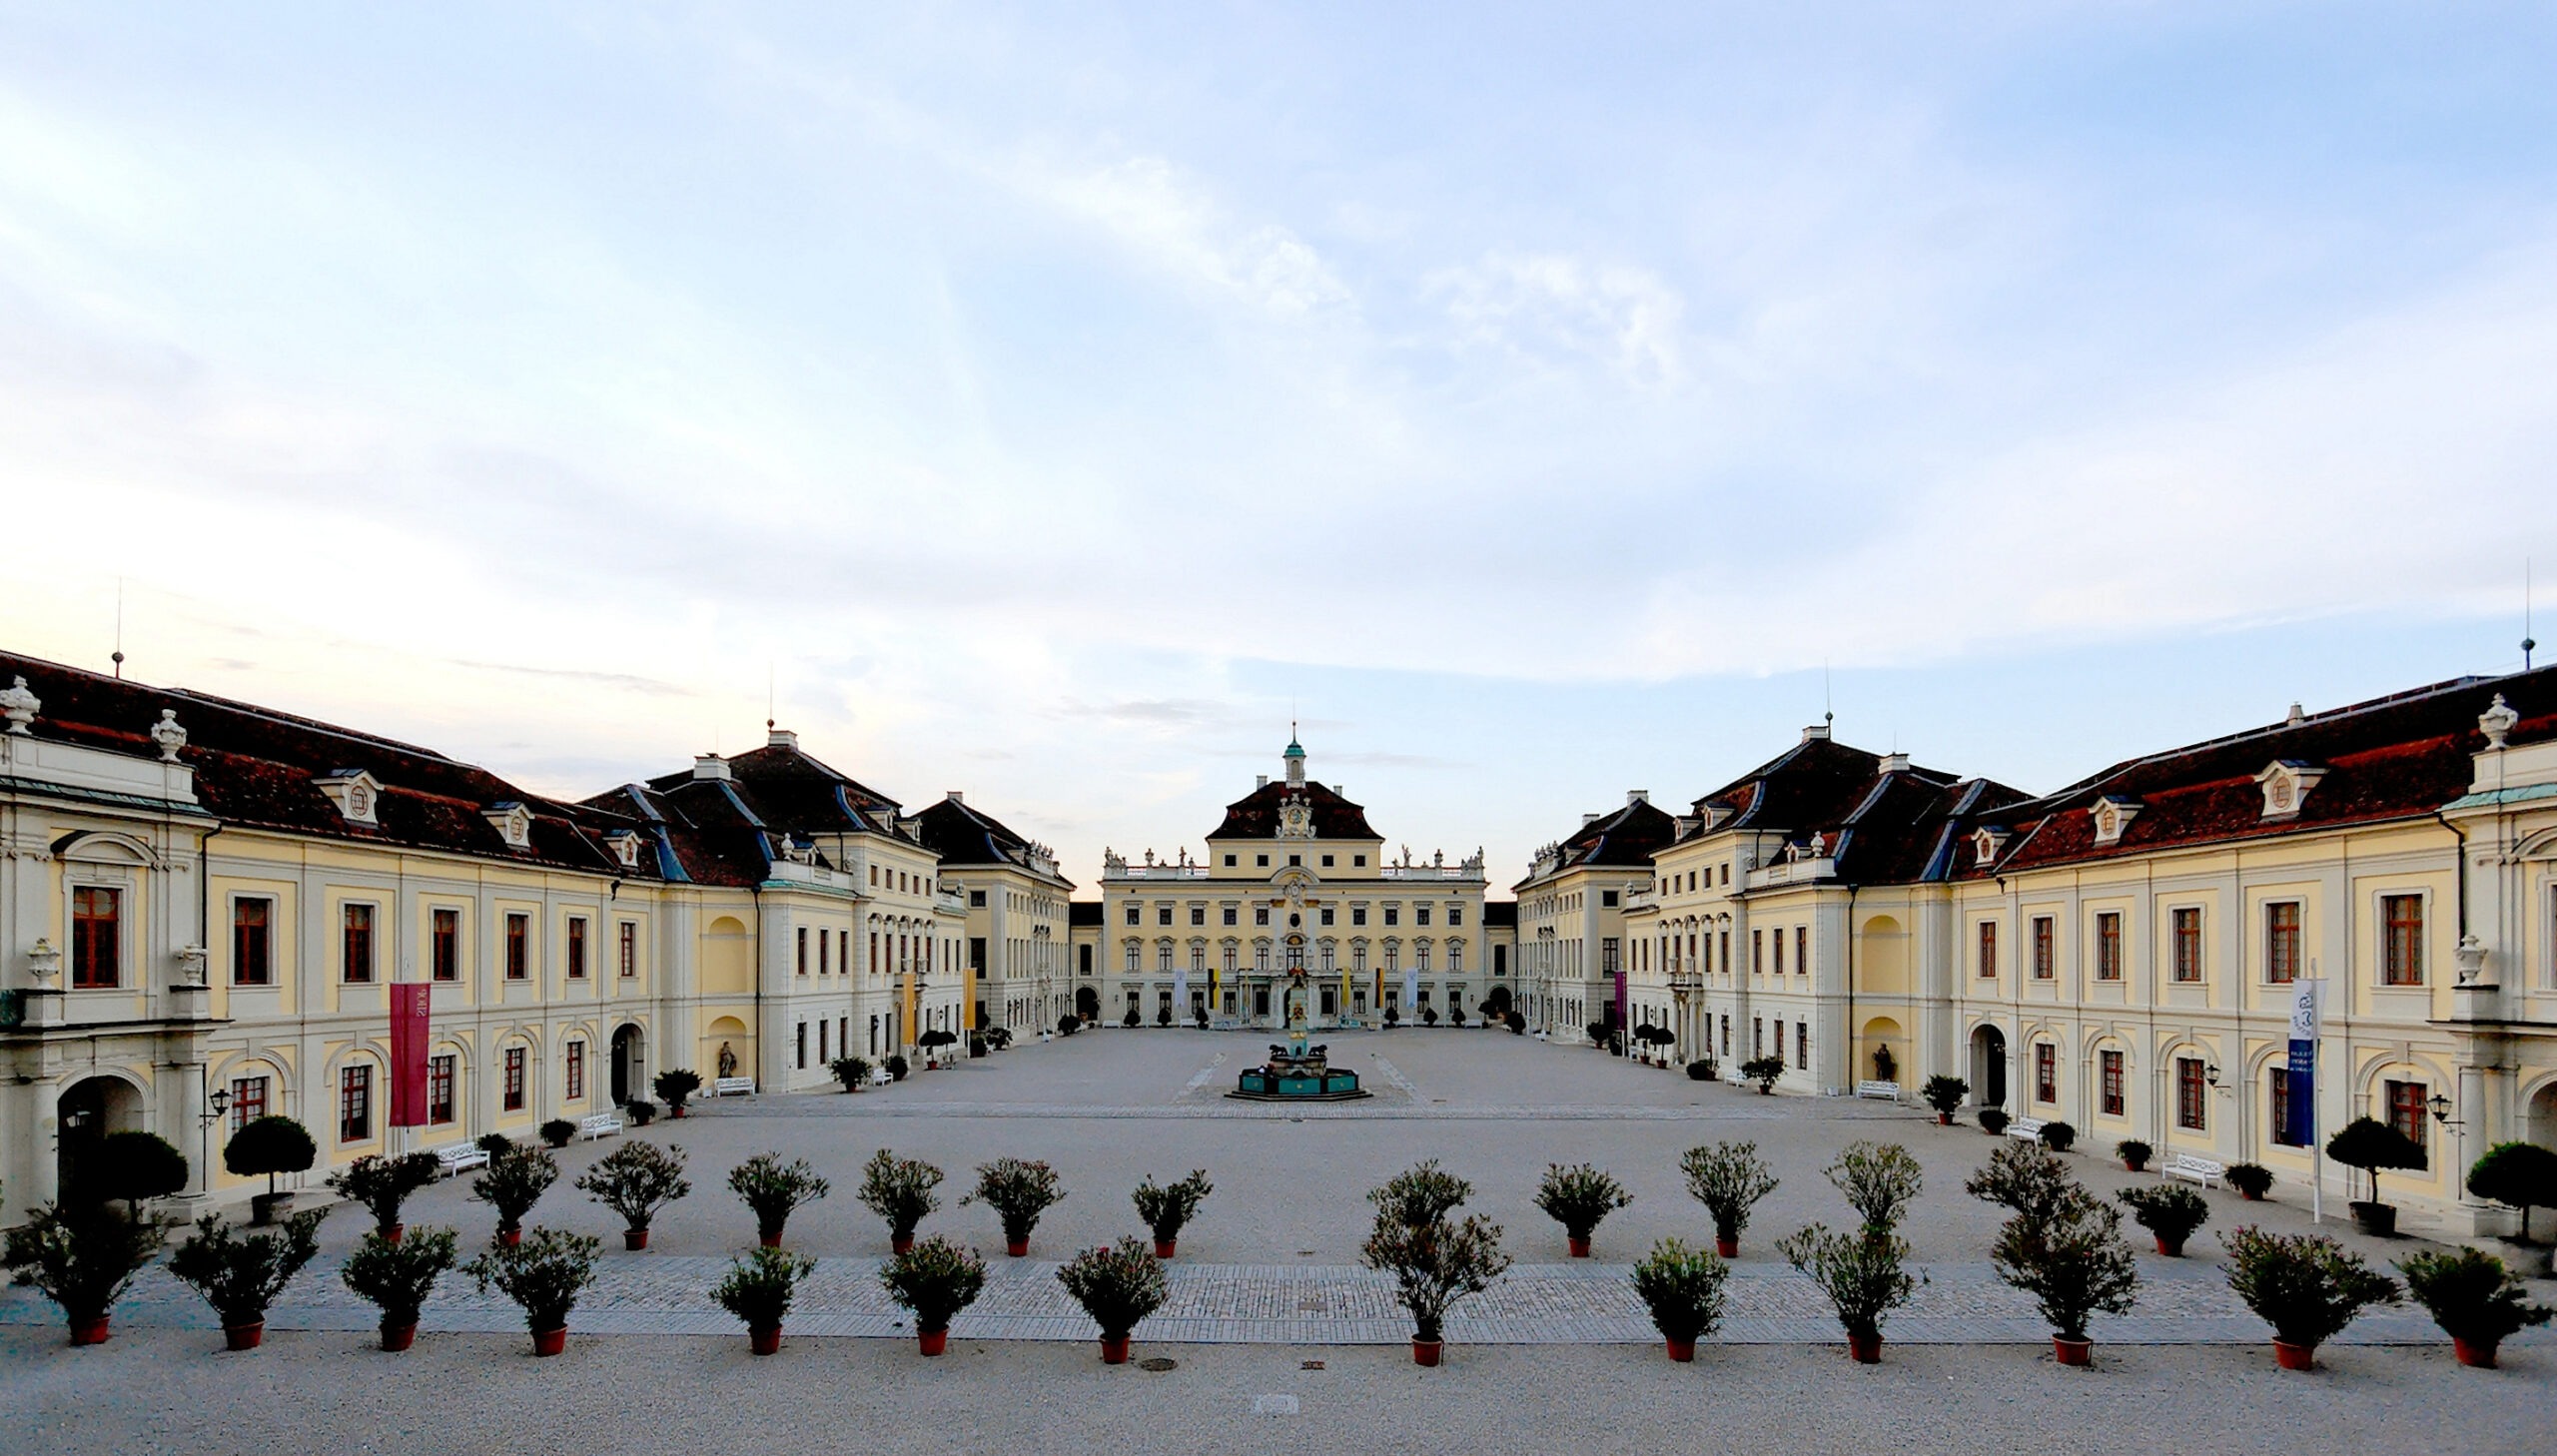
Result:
[{"x": 2300, "y": 1110}]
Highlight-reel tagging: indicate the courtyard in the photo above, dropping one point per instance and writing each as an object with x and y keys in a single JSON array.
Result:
[{"x": 1267, "y": 1281}]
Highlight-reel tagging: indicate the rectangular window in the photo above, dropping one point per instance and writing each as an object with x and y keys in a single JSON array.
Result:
[
  {"x": 1260, "y": 916},
  {"x": 2282, "y": 942},
  {"x": 1197, "y": 915},
  {"x": 2406, "y": 1109},
  {"x": 1357, "y": 862},
  {"x": 518, "y": 946},
  {"x": 2110, "y": 1062},
  {"x": 1229, "y": 915},
  {"x": 1357, "y": 915},
  {"x": 576, "y": 947},
  {"x": 1780, "y": 952},
  {"x": 1393, "y": 915},
  {"x": 354, "y": 1102},
  {"x": 629, "y": 952},
  {"x": 1608, "y": 954},
  {"x": 2278, "y": 1104},
  {"x": 1987, "y": 950},
  {"x": 1802, "y": 1046},
  {"x": 247, "y": 1101},
  {"x": 1801, "y": 950},
  {"x": 444, "y": 950},
  {"x": 2190, "y": 1092},
  {"x": 1757, "y": 952},
  {"x": 96, "y": 938},
  {"x": 2046, "y": 952},
  {"x": 1133, "y": 954},
  {"x": 440, "y": 1089},
  {"x": 1726, "y": 1035},
  {"x": 1328, "y": 914},
  {"x": 252, "y": 953},
  {"x": 2046, "y": 1072},
  {"x": 2188, "y": 930},
  {"x": 359, "y": 943},
  {"x": 2401, "y": 957},
  {"x": 2108, "y": 946},
  {"x": 1457, "y": 913},
  {"x": 573, "y": 1070},
  {"x": 1135, "y": 914},
  {"x": 1163, "y": 914},
  {"x": 514, "y": 1079},
  {"x": 1757, "y": 1036},
  {"x": 801, "y": 1050},
  {"x": 800, "y": 966}
]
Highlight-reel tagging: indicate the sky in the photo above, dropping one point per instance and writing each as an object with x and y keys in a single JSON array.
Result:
[{"x": 1057, "y": 402}]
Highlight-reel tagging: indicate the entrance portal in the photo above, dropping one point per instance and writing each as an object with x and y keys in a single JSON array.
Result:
[
  {"x": 90, "y": 1110},
  {"x": 629, "y": 1068},
  {"x": 1989, "y": 1067}
]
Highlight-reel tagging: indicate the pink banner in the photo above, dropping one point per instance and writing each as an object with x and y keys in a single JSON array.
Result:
[{"x": 408, "y": 1054}]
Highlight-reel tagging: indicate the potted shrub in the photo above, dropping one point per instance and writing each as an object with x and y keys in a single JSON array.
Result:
[
  {"x": 1516, "y": 1022},
  {"x": 899, "y": 1189},
  {"x": 1763, "y": 1071},
  {"x": 545, "y": 1274},
  {"x": 240, "y": 1278},
  {"x": 2521, "y": 1177},
  {"x": 936, "y": 1279},
  {"x": 1863, "y": 1274},
  {"x": 514, "y": 1181},
  {"x": 642, "y": 1112},
  {"x": 1579, "y": 1197},
  {"x": 129, "y": 1168},
  {"x": 1945, "y": 1094},
  {"x": 2370, "y": 1146},
  {"x": 82, "y": 1258},
  {"x": 635, "y": 1180},
  {"x": 1068, "y": 1025},
  {"x": 397, "y": 1278},
  {"x": 758, "y": 1291},
  {"x": 2474, "y": 1298},
  {"x": 1163, "y": 1016},
  {"x": 2023, "y": 1177},
  {"x": 1993, "y": 1120},
  {"x": 976, "y": 1046},
  {"x": 1683, "y": 1287},
  {"x": 2304, "y": 1285},
  {"x": 381, "y": 1184},
  {"x": 1701, "y": 1069},
  {"x": 1167, "y": 1211},
  {"x": 1429, "y": 1015},
  {"x": 774, "y": 1189},
  {"x": 1199, "y": 1017},
  {"x": 270, "y": 1145},
  {"x": 2058, "y": 1136},
  {"x": 495, "y": 1145},
  {"x": 556, "y": 1133},
  {"x": 1019, "y": 1190},
  {"x": 2073, "y": 1261},
  {"x": 1598, "y": 1034},
  {"x": 675, "y": 1086},
  {"x": 1130, "y": 1020},
  {"x": 852, "y": 1072},
  {"x": 2251, "y": 1181},
  {"x": 1879, "y": 1179},
  {"x": 2133, "y": 1154},
  {"x": 1393, "y": 1017},
  {"x": 2170, "y": 1211},
  {"x": 1118, "y": 1286},
  {"x": 1434, "y": 1262},
  {"x": 896, "y": 1067},
  {"x": 1728, "y": 1178}
]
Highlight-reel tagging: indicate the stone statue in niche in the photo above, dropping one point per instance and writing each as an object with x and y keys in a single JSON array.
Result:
[{"x": 727, "y": 1059}]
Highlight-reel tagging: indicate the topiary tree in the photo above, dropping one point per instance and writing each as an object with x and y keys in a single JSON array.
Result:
[
  {"x": 267, "y": 1147},
  {"x": 128, "y": 1168},
  {"x": 2520, "y": 1176},
  {"x": 2370, "y": 1146}
]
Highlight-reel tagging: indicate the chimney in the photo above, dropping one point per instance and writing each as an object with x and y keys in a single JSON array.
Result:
[
  {"x": 1817, "y": 732},
  {"x": 709, "y": 766},
  {"x": 1897, "y": 763},
  {"x": 955, "y": 795},
  {"x": 1261, "y": 781},
  {"x": 1587, "y": 820},
  {"x": 2296, "y": 717},
  {"x": 1637, "y": 796},
  {"x": 779, "y": 737}
]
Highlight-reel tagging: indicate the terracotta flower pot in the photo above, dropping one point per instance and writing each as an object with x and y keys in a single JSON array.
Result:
[
  {"x": 765, "y": 1339},
  {"x": 1944, "y": 1119},
  {"x": 2171, "y": 1248},
  {"x": 1017, "y": 1247},
  {"x": 2294, "y": 1358},
  {"x": 770, "y": 1239},
  {"x": 2071, "y": 1352},
  {"x": 675, "y": 1111},
  {"x": 1425, "y": 1353},
  {"x": 2250, "y": 1197},
  {"x": 398, "y": 1337},
  {"x": 244, "y": 1337},
  {"x": 391, "y": 1234},
  {"x": 1864, "y": 1349},
  {"x": 1113, "y": 1349},
  {"x": 549, "y": 1341},
  {"x": 2476, "y": 1354},
  {"x": 1681, "y": 1351},
  {"x": 511, "y": 1237},
  {"x": 635, "y": 1240},
  {"x": 932, "y": 1341},
  {"x": 2134, "y": 1164},
  {"x": 1728, "y": 1249},
  {"x": 1580, "y": 1248},
  {"x": 1164, "y": 1248},
  {"x": 89, "y": 1331}
]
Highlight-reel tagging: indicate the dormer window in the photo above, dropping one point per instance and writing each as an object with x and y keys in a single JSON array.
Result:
[
  {"x": 2286, "y": 782},
  {"x": 625, "y": 846},
  {"x": 356, "y": 794},
  {"x": 1987, "y": 843},
  {"x": 2112, "y": 815},
  {"x": 512, "y": 822}
]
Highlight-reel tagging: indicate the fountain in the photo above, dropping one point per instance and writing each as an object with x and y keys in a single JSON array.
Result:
[{"x": 1297, "y": 1073}]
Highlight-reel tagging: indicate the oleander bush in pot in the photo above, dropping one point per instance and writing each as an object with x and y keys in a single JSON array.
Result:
[
  {"x": 896, "y": 1067},
  {"x": 642, "y": 1112},
  {"x": 674, "y": 1087},
  {"x": 2072, "y": 1260},
  {"x": 635, "y": 1180},
  {"x": 556, "y": 1133},
  {"x": 1436, "y": 1262},
  {"x": 775, "y": 1189},
  {"x": 2476, "y": 1300},
  {"x": 1763, "y": 1071},
  {"x": 495, "y": 1145},
  {"x": 83, "y": 1257},
  {"x": 382, "y": 1184},
  {"x": 397, "y": 1278},
  {"x": 2025, "y": 1178},
  {"x": 1168, "y": 1208},
  {"x": 2058, "y": 1136},
  {"x": 1701, "y": 1069},
  {"x": 1118, "y": 1286},
  {"x": 1864, "y": 1275},
  {"x": 1879, "y": 1181},
  {"x": 1993, "y": 1121},
  {"x": 2372, "y": 1146},
  {"x": 899, "y": 1189},
  {"x": 1729, "y": 1178},
  {"x": 758, "y": 1290},
  {"x": 1945, "y": 1094},
  {"x": 544, "y": 1274},
  {"x": 240, "y": 1278},
  {"x": 2134, "y": 1154},
  {"x": 852, "y": 1072},
  {"x": 267, "y": 1147},
  {"x": 2306, "y": 1286},
  {"x": 1019, "y": 1190},
  {"x": 1579, "y": 1197},
  {"x": 516, "y": 1180},
  {"x": 1683, "y": 1289},
  {"x": 2251, "y": 1181},
  {"x": 935, "y": 1279},
  {"x": 1516, "y": 1022},
  {"x": 2171, "y": 1212}
]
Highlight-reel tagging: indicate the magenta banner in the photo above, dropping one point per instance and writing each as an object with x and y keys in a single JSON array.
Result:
[{"x": 409, "y": 1002}]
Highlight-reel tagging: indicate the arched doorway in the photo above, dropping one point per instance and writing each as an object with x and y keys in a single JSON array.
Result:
[
  {"x": 2543, "y": 1116},
  {"x": 629, "y": 1063},
  {"x": 1989, "y": 1067},
  {"x": 91, "y": 1108}
]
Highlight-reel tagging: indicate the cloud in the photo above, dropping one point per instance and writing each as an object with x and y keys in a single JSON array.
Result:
[{"x": 1562, "y": 311}]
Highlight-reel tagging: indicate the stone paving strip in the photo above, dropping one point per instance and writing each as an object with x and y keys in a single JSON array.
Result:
[
  {"x": 1216, "y": 1105},
  {"x": 1309, "y": 1305}
]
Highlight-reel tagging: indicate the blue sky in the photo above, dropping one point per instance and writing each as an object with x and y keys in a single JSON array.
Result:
[{"x": 1053, "y": 401}]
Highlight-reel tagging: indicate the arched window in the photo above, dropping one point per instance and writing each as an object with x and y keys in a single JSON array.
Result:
[{"x": 1134, "y": 963}]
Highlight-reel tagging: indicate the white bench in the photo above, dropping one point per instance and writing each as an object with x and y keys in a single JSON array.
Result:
[
  {"x": 452, "y": 1157},
  {"x": 2201, "y": 1170},
  {"x": 2028, "y": 1129},
  {"x": 601, "y": 1125},
  {"x": 1887, "y": 1091},
  {"x": 733, "y": 1087}
]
